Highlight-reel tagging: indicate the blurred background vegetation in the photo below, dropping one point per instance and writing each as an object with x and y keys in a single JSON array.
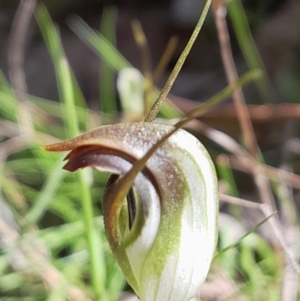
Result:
[{"x": 58, "y": 78}]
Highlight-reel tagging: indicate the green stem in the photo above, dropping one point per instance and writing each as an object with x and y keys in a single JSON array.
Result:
[
  {"x": 124, "y": 184},
  {"x": 41, "y": 203},
  {"x": 169, "y": 84},
  {"x": 67, "y": 91},
  {"x": 247, "y": 45},
  {"x": 93, "y": 243}
]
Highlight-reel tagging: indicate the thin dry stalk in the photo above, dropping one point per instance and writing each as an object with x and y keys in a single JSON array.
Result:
[
  {"x": 11, "y": 146},
  {"x": 14, "y": 193},
  {"x": 274, "y": 222},
  {"x": 165, "y": 59},
  {"x": 16, "y": 62},
  {"x": 232, "y": 76},
  {"x": 241, "y": 202},
  {"x": 290, "y": 285},
  {"x": 267, "y": 211},
  {"x": 258, "y": 172},
  {"x": 241, "y": 161},
  {"x": 261, "y": 180},
  {"x": 141, "y": 41},
  {"x": 259, "y": 113},
  {"x": 245, "y": 165},
  {"x": 218, "y": 137}
]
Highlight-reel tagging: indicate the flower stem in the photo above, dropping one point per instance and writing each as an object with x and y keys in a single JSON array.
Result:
[{"x": 168, "y": 85}]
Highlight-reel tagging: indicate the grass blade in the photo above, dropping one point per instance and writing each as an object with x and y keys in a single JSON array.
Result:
[{"x": 66, "y": 88}]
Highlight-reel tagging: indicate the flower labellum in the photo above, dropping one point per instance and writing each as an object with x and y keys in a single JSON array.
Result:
[{"x": 163, "y": 230}]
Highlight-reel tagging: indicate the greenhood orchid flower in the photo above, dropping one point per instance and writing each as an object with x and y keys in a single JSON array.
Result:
[{"x": 163, "y": 233}]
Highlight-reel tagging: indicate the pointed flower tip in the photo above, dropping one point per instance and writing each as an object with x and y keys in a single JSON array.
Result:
[{"x": 55, "y": 147}]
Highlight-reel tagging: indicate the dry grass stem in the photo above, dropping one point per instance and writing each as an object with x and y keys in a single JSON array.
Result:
[
  {"x": 12, "y": 146},
  {"x": 241, "y": 202},
  {"x": 165, "y": 59},
  {"x": 274, "y": 224},
  {"x": 141, "y": 41},
  {"x": 220, "y": 138},
  {"x": 258, "y": 172},
  {"x": 232, "y": 77},
  {"x": 245, "y": 165},
  {"x": 290, "y": 287},
  {"x": 16, "y": 61}
]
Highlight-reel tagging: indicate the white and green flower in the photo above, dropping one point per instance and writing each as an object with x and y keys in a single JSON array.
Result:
[{"x": 163, "y": 234}]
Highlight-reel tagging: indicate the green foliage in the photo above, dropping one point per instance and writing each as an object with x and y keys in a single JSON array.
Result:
[{"x": 54, "y": 244}]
